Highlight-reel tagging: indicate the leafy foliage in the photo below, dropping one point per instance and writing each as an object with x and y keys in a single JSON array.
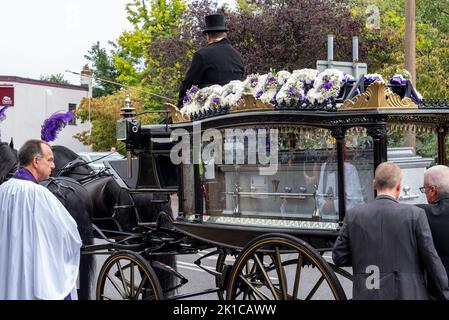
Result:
[
  {"x": 103, "y": 68},
  {"x": 386, "y": 45},
  {"x": 157, "y": 19},
  {"x": 55, "y": 78},
  {"x": 279, "y": 34},
  {"x": 104, "y": 113}
]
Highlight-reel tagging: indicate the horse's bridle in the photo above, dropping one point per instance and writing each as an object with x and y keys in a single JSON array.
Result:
[{"x": 60, "y": 186}]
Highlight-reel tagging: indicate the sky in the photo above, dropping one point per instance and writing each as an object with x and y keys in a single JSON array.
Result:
[{"x": 51, "y": 36}]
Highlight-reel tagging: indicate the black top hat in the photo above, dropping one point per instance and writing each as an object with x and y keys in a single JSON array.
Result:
[{"x": 215, "y": 23}]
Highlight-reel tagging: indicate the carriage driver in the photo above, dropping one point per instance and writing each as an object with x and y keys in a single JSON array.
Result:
[
  {"x": 39, "y": 240},
  {"x": 217, "y": 63}
]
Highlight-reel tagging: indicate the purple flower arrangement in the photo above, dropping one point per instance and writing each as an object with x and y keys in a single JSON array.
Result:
[{"x": 374, "y": 77}]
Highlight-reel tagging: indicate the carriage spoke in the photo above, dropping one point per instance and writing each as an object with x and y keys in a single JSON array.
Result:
[
  {"x": 282, "y": 280},
  {"x": 131, "y": 294},
  {"x": 139, "y": 289},
  {"x": 251, "y": 268},
  {"x": 105, "y": 297},
  {"x": 315, "y": 288},
  {"x": 241, "y": 291},
  {"x": 265, "y": 275},
  {"x": 297, "y": 277},
  {"x": 116, "y": 286},
  {"x": 259, "y": 293},
  {"x": 122, "y": 278}
]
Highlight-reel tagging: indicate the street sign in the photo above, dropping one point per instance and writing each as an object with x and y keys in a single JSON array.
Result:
[{"x": 6, "y": 95}]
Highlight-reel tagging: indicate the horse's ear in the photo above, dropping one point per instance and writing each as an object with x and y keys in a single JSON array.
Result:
[{"x": 11, "y": 144}]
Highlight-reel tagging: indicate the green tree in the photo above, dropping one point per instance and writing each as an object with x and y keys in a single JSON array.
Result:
[
  {"x": 386, "y": 44},
  {"x": 132, "y": 63},
  {"x": 103, "y": 68},
  {"x": 55, "y": 78},
  {"x": 150, "y": 19},
  {"x": 104, "y": 113}
]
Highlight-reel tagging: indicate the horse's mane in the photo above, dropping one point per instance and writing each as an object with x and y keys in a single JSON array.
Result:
[
  {"x": 68, "y": 163},
  {"x": 8, "y": 161}
]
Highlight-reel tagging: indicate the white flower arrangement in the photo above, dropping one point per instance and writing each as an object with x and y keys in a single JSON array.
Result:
[
  {"x": 212, "y": 96},
  {"x": 232, "y": 93},
  {"x": 268, "y": 91},
  {"x": 280, "y": 88},
  {"x": 192, "y": 101},
  {"x": 283, "y": 76},
  {"x": 290, "y": 93},
  {"x": 307, "y": 76},
  {"x": 251, "y": 83},
  {"x": 326, "y": 86}
]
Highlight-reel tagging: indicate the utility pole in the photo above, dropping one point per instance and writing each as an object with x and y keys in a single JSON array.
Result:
[
  {"x": 410, "y": 39},
  {"x": 410, "y": 57}
]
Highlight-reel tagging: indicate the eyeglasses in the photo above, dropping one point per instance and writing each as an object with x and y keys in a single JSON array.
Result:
[{"x": 423, "y": 189}]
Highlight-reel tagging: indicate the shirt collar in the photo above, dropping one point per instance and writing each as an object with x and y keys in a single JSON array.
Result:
[{"x": 386, "y": 196}]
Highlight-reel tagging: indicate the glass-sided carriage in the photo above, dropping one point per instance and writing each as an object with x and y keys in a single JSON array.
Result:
[{"x": 267, "y": 186}]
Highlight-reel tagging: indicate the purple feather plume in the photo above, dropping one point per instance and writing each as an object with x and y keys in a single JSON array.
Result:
[
  {"x": 54, "y": 124},
  {"x": 2, "y": 112}
]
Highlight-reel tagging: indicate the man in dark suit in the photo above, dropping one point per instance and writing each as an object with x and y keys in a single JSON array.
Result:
[
  {"x": 436, "y": 188},
  {"x": 217, "y": 63},
  {"x": 389, "y": 246}
]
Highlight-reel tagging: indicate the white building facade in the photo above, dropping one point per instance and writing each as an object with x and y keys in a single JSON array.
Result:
[{"x": 33, "y": 102}]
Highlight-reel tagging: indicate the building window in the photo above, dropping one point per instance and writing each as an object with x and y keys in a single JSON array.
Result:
[{"x": 72, "y": 108}]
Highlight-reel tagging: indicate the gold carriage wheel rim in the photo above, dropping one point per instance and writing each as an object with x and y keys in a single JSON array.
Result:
[
  {"x": 280, "y": 241},
  {"x": 117, "y": 257}
]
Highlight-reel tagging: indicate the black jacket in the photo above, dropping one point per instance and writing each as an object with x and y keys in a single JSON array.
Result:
[
  {"x": 395, "y": 238},
  {"x": 217, "y": 63},
  {"x": 438, "y": 217}
]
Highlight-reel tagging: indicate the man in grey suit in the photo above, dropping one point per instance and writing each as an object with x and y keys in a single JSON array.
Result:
[{"x": 389, "y": 246}]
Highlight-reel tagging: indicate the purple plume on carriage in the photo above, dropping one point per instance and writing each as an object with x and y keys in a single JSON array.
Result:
[
  {"x": 54, "y": 124},
  {"x": 3, "y": 112}
]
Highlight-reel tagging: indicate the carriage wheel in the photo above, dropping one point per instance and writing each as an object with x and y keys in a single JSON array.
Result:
[
  {"x": 282, "y": 267},
  {"x": 127, "y": 276},
  {"x": 220, "y": 267}
]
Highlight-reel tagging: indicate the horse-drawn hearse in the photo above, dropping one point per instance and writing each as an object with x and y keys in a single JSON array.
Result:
[
  {"x": 262, "y": 186},
  {"x": 265, "y": 184}
]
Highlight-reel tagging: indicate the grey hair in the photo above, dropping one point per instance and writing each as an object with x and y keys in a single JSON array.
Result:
[
  {"x": 438, "y": 176},
  {"x": 387, "y": 175},
  {"x": 29, "y": 150}
]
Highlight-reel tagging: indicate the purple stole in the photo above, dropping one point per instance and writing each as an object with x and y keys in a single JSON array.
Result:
[{"x": 24, "y": 174}]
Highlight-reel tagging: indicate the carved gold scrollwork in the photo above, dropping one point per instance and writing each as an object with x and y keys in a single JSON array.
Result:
[
  {"x": 176, "y": 115},
  {"x": 250, "y": 103},
  {"x": 378, "y": 96}
]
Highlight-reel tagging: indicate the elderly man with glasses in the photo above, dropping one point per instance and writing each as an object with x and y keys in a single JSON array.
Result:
[{"x": 436, "y": 188}]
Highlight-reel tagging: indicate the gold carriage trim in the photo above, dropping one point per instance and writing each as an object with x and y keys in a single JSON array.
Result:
[
  {"x": 378, "y": 96},
  {"x": 176, "y": 115},
  {"x": 248, "y": 102}
]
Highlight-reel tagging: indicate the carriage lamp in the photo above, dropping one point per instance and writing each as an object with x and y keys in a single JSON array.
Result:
[{"x": 128, "y": 131}]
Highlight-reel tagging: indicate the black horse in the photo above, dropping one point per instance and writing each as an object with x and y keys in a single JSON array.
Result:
[
  {"x": 114, "y": 208},
  {"x": 75, "y": 199}
]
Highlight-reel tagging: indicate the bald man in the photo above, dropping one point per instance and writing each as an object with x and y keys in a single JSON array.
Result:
[
  {"x": 389, "y": 246},
  {"x": 436, "y": 188}
]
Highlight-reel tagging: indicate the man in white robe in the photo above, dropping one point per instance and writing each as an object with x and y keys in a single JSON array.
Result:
[{"x": 39, "y": 240}]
